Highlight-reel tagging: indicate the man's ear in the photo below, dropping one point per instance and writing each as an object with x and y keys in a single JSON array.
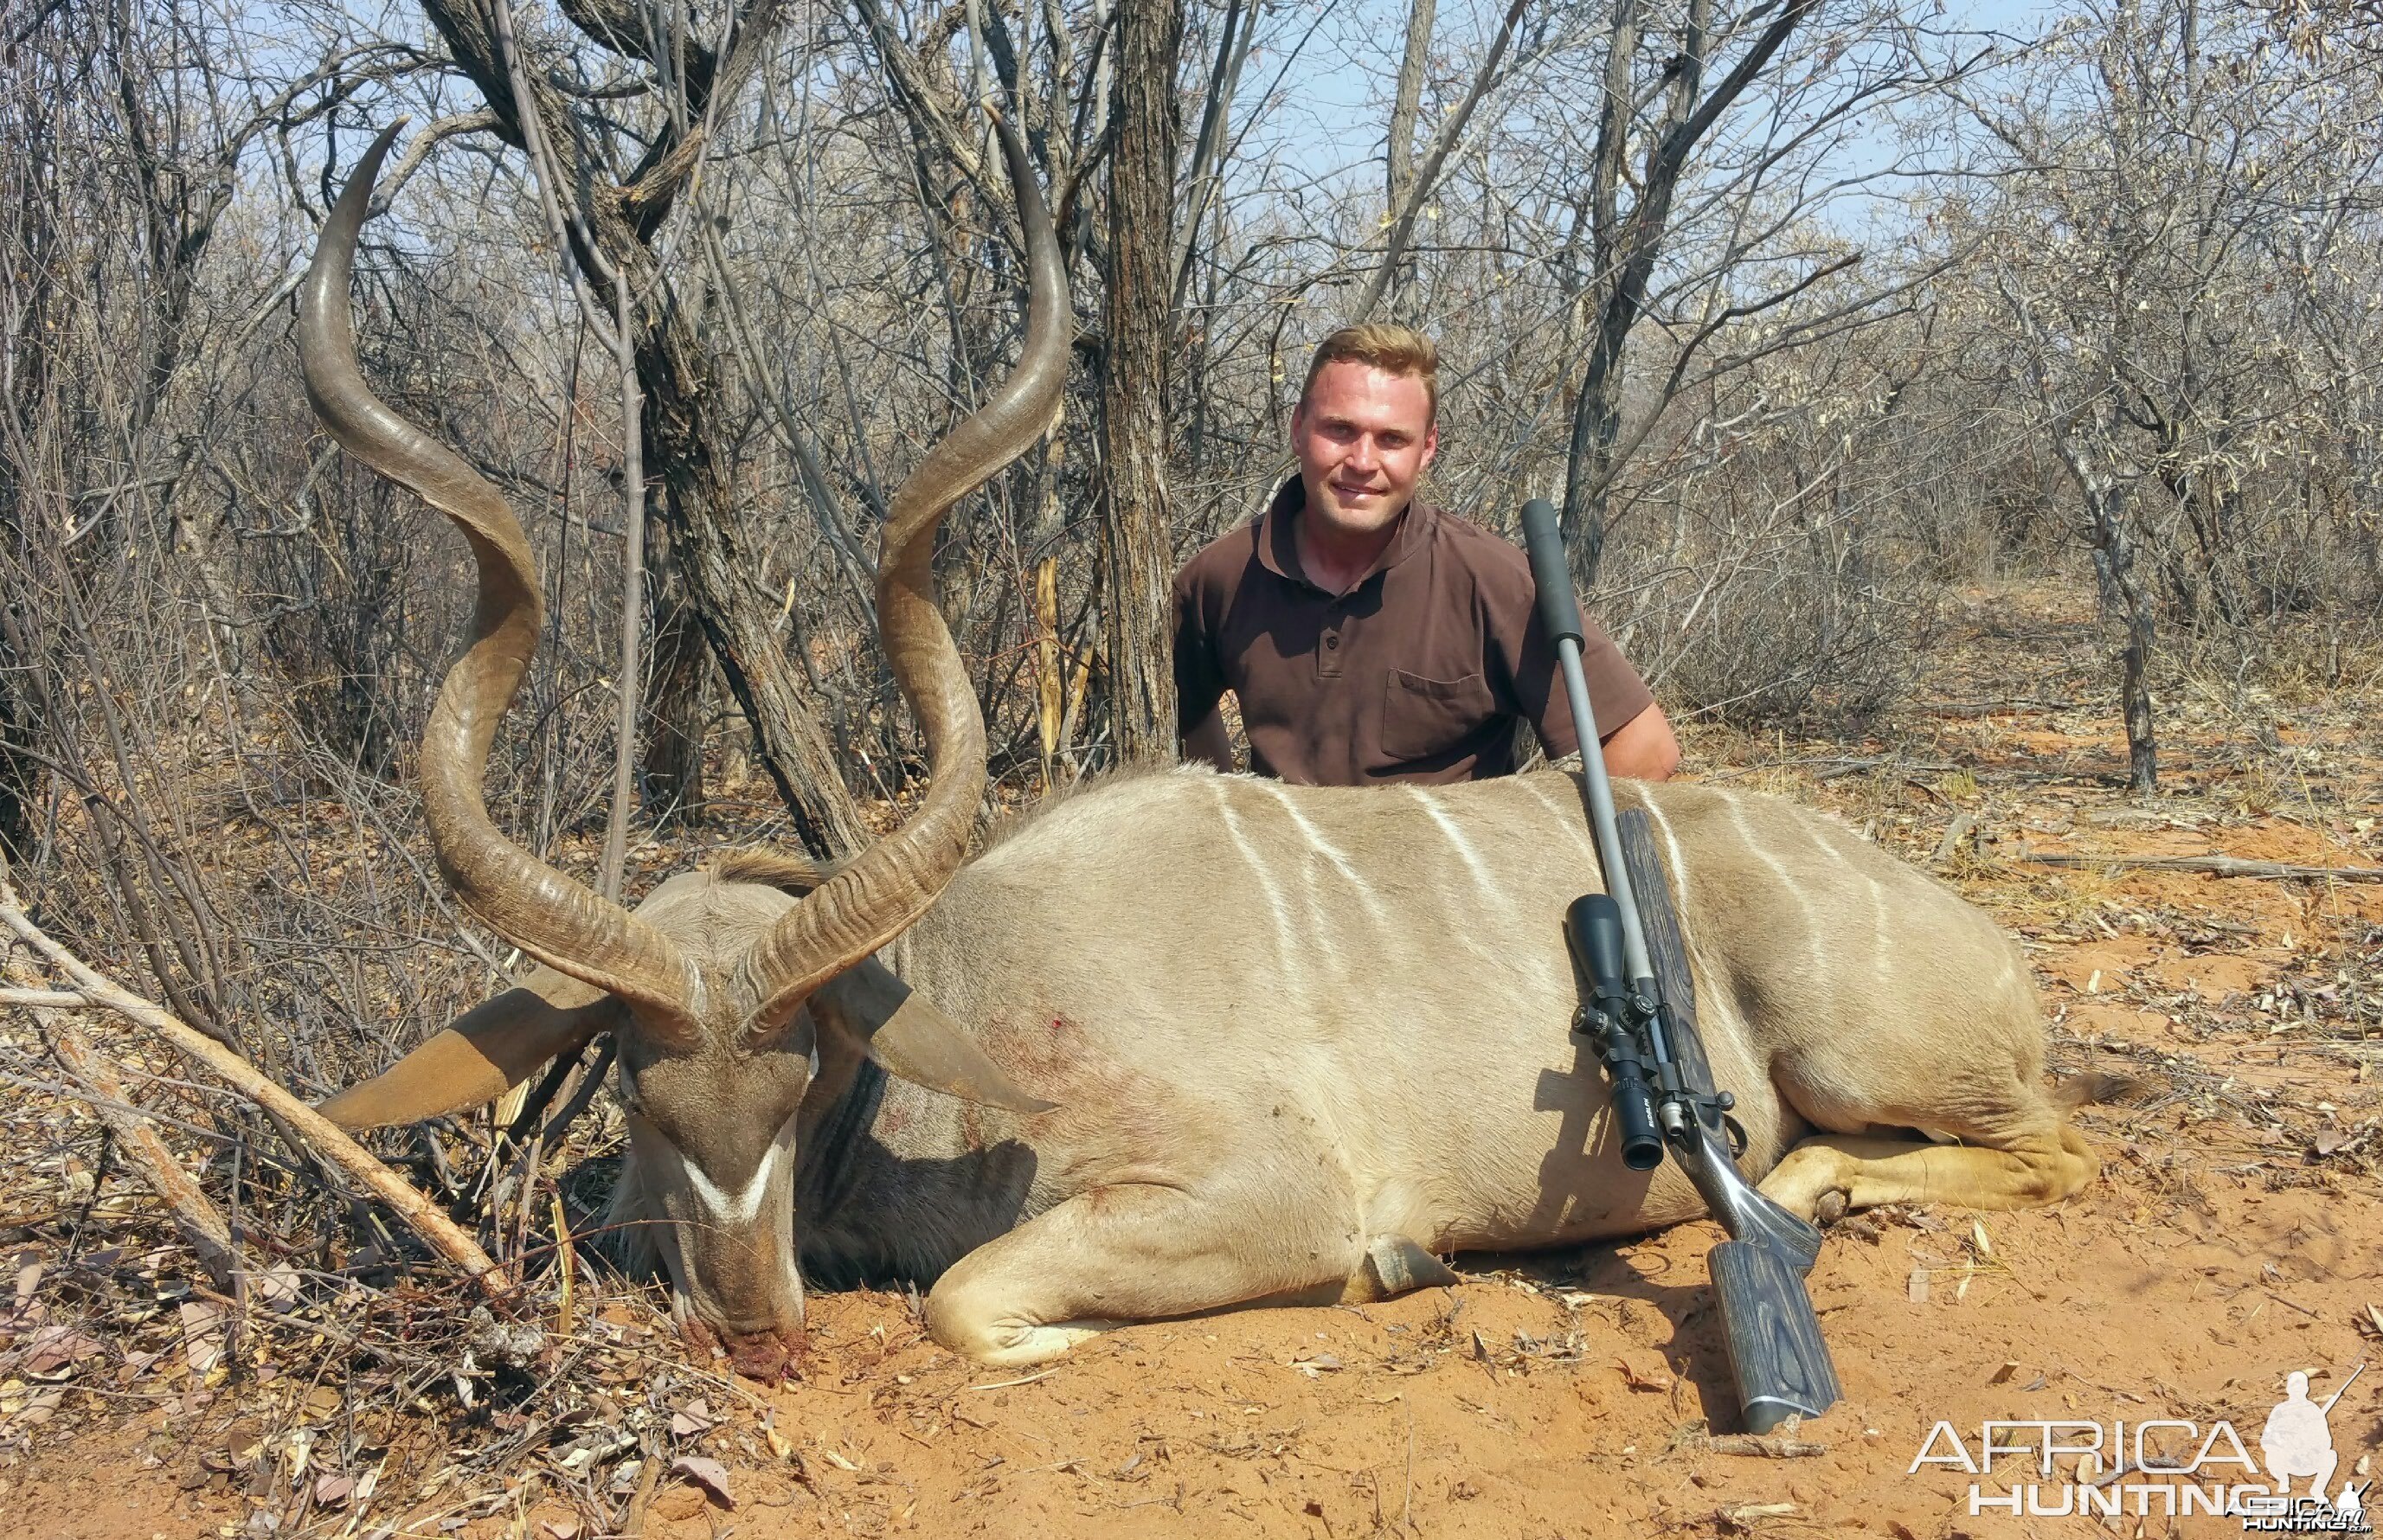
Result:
[
  {"x": 490, "y": 1049},
  {"x": 907, "y": 1036},
  {"x": 1430, "y": 446}
]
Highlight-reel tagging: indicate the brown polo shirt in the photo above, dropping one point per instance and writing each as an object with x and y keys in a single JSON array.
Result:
[{"x": 1420, "y": 672}]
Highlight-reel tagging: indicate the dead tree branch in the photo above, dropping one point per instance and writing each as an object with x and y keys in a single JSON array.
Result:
[{"x": 326, "y": 1139}]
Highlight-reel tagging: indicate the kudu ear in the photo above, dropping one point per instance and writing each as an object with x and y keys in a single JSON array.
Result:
[
  {"x": 490, "y": 1049},
  {"x": 908, "y": 1037}
]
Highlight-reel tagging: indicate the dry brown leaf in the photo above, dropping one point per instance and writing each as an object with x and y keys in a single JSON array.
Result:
[
  {"x": 1645, "y": 1371},
  {"x": 277, "y": 1287},
  {"x": 709, "y": 1475},
  {"x": 41, "y": 1406},
  {"x": 53, "y": 1350},
  {"x": 203, "y": 1329}
]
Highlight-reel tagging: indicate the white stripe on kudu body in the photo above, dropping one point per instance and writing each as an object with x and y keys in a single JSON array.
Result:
[
  {"x": 1882, "y": 962},
  {"x": 1481, "y": 879},
  {"x": 1673, "y": 861},
  {"x": 1571, "y": 813},
  {"x": 1262, "y": 869},
  {"x": 1791, "y": 890},
  {"x": 1323, "y": 846}
]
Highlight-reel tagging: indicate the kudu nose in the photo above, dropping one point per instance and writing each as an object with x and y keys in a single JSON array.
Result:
[
  {"x": 769, "y": 1357},
  {"x": 764, "y": 1350}
]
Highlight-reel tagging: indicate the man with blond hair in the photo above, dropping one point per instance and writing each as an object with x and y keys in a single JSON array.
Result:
[{"x": 1372, "y": 639}]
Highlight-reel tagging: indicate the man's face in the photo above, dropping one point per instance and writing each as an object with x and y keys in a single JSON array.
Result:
[{"x": 1362, "y": 438}]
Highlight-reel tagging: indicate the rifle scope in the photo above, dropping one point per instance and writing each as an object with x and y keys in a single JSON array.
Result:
[{"x": 1593, "y": 927}]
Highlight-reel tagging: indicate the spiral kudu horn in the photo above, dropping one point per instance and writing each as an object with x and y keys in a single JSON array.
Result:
[
  {"x": 531, "y": 905},
  {"x": 891, "y": 884}
]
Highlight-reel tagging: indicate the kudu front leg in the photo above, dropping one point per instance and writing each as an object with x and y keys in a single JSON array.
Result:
[
  {"x": 2027, "y": 1173},
  {"x": 1124, "y": 1254}
]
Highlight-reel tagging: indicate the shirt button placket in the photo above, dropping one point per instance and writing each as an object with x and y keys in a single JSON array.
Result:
[{"x": 1328, "y": 651}]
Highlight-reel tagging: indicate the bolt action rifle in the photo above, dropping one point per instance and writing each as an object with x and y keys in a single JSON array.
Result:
[{"x": 1640, "y": 1019}]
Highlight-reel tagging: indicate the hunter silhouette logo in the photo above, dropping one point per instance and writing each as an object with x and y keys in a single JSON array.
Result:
[{"x": 2298, "y": 1441}]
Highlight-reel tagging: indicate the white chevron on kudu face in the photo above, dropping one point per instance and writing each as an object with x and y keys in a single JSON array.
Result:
[{"x": 743, "y": 1206}]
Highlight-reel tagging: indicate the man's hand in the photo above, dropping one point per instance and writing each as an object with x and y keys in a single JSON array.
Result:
[
  {"x": 1640, "y": 749},
  {"x": 1209, "y": 743}
]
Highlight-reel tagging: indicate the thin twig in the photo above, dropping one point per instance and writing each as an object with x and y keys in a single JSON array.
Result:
[{"x": 2216, "y": 866}]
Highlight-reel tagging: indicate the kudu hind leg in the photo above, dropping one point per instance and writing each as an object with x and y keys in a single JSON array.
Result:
[{"x": 1124, "y": 1253}]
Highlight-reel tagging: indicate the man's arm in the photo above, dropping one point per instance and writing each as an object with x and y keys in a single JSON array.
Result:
[
  {"x": 1636, "y": 736},
  {"x": 1199, "y": 681},
  {"x": 1642, "y": 748},
  {"x": 1209, "y": 743}
]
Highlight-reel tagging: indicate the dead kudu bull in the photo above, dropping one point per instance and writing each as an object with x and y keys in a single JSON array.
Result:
[{"x": 1195, "y": 1039}]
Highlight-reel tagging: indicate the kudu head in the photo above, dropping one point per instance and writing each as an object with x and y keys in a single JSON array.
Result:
[{"x": 704, "y": 993}]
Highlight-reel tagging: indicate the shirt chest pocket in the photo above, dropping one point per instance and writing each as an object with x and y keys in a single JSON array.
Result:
[{"x": 1425, "y": 717}]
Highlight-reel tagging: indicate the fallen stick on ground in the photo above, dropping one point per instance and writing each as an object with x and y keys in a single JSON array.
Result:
[
  {"x": 1964, "y": 825},
  {"x": 199, "y": 1222},
  {"x": 1993, "y": 707},
  {"x": 326, "y": 1138},
  {"x": 1767, "y": 1445},
  {"x": 2216, "y": 866}
]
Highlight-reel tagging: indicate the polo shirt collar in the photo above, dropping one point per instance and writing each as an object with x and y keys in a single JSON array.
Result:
[{"x": 1278, "y": 544}]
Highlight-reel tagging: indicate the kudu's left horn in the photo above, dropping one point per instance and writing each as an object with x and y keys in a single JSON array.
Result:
[{"x": 877, "y": 896}]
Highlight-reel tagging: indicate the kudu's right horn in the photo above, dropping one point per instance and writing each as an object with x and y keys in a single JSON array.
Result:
[{"x": 547, "y": 914}]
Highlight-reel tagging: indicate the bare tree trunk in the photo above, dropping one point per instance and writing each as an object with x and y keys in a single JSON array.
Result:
[
  {"x": 684, "y": 443},
  {"x": 675, "y": 726},
  {"x": 631, "y": 662},
  {"x": 1137, "y": 557},
  {"x": 716, "y": 563},
  {"x": 1203, "y": 185},
  {"x": 1404, "y": 104},
  {"x": 1423, "y": 178},
  {"x": 2109, "y": 531},
  {"x": 1626, "y": 246}
]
